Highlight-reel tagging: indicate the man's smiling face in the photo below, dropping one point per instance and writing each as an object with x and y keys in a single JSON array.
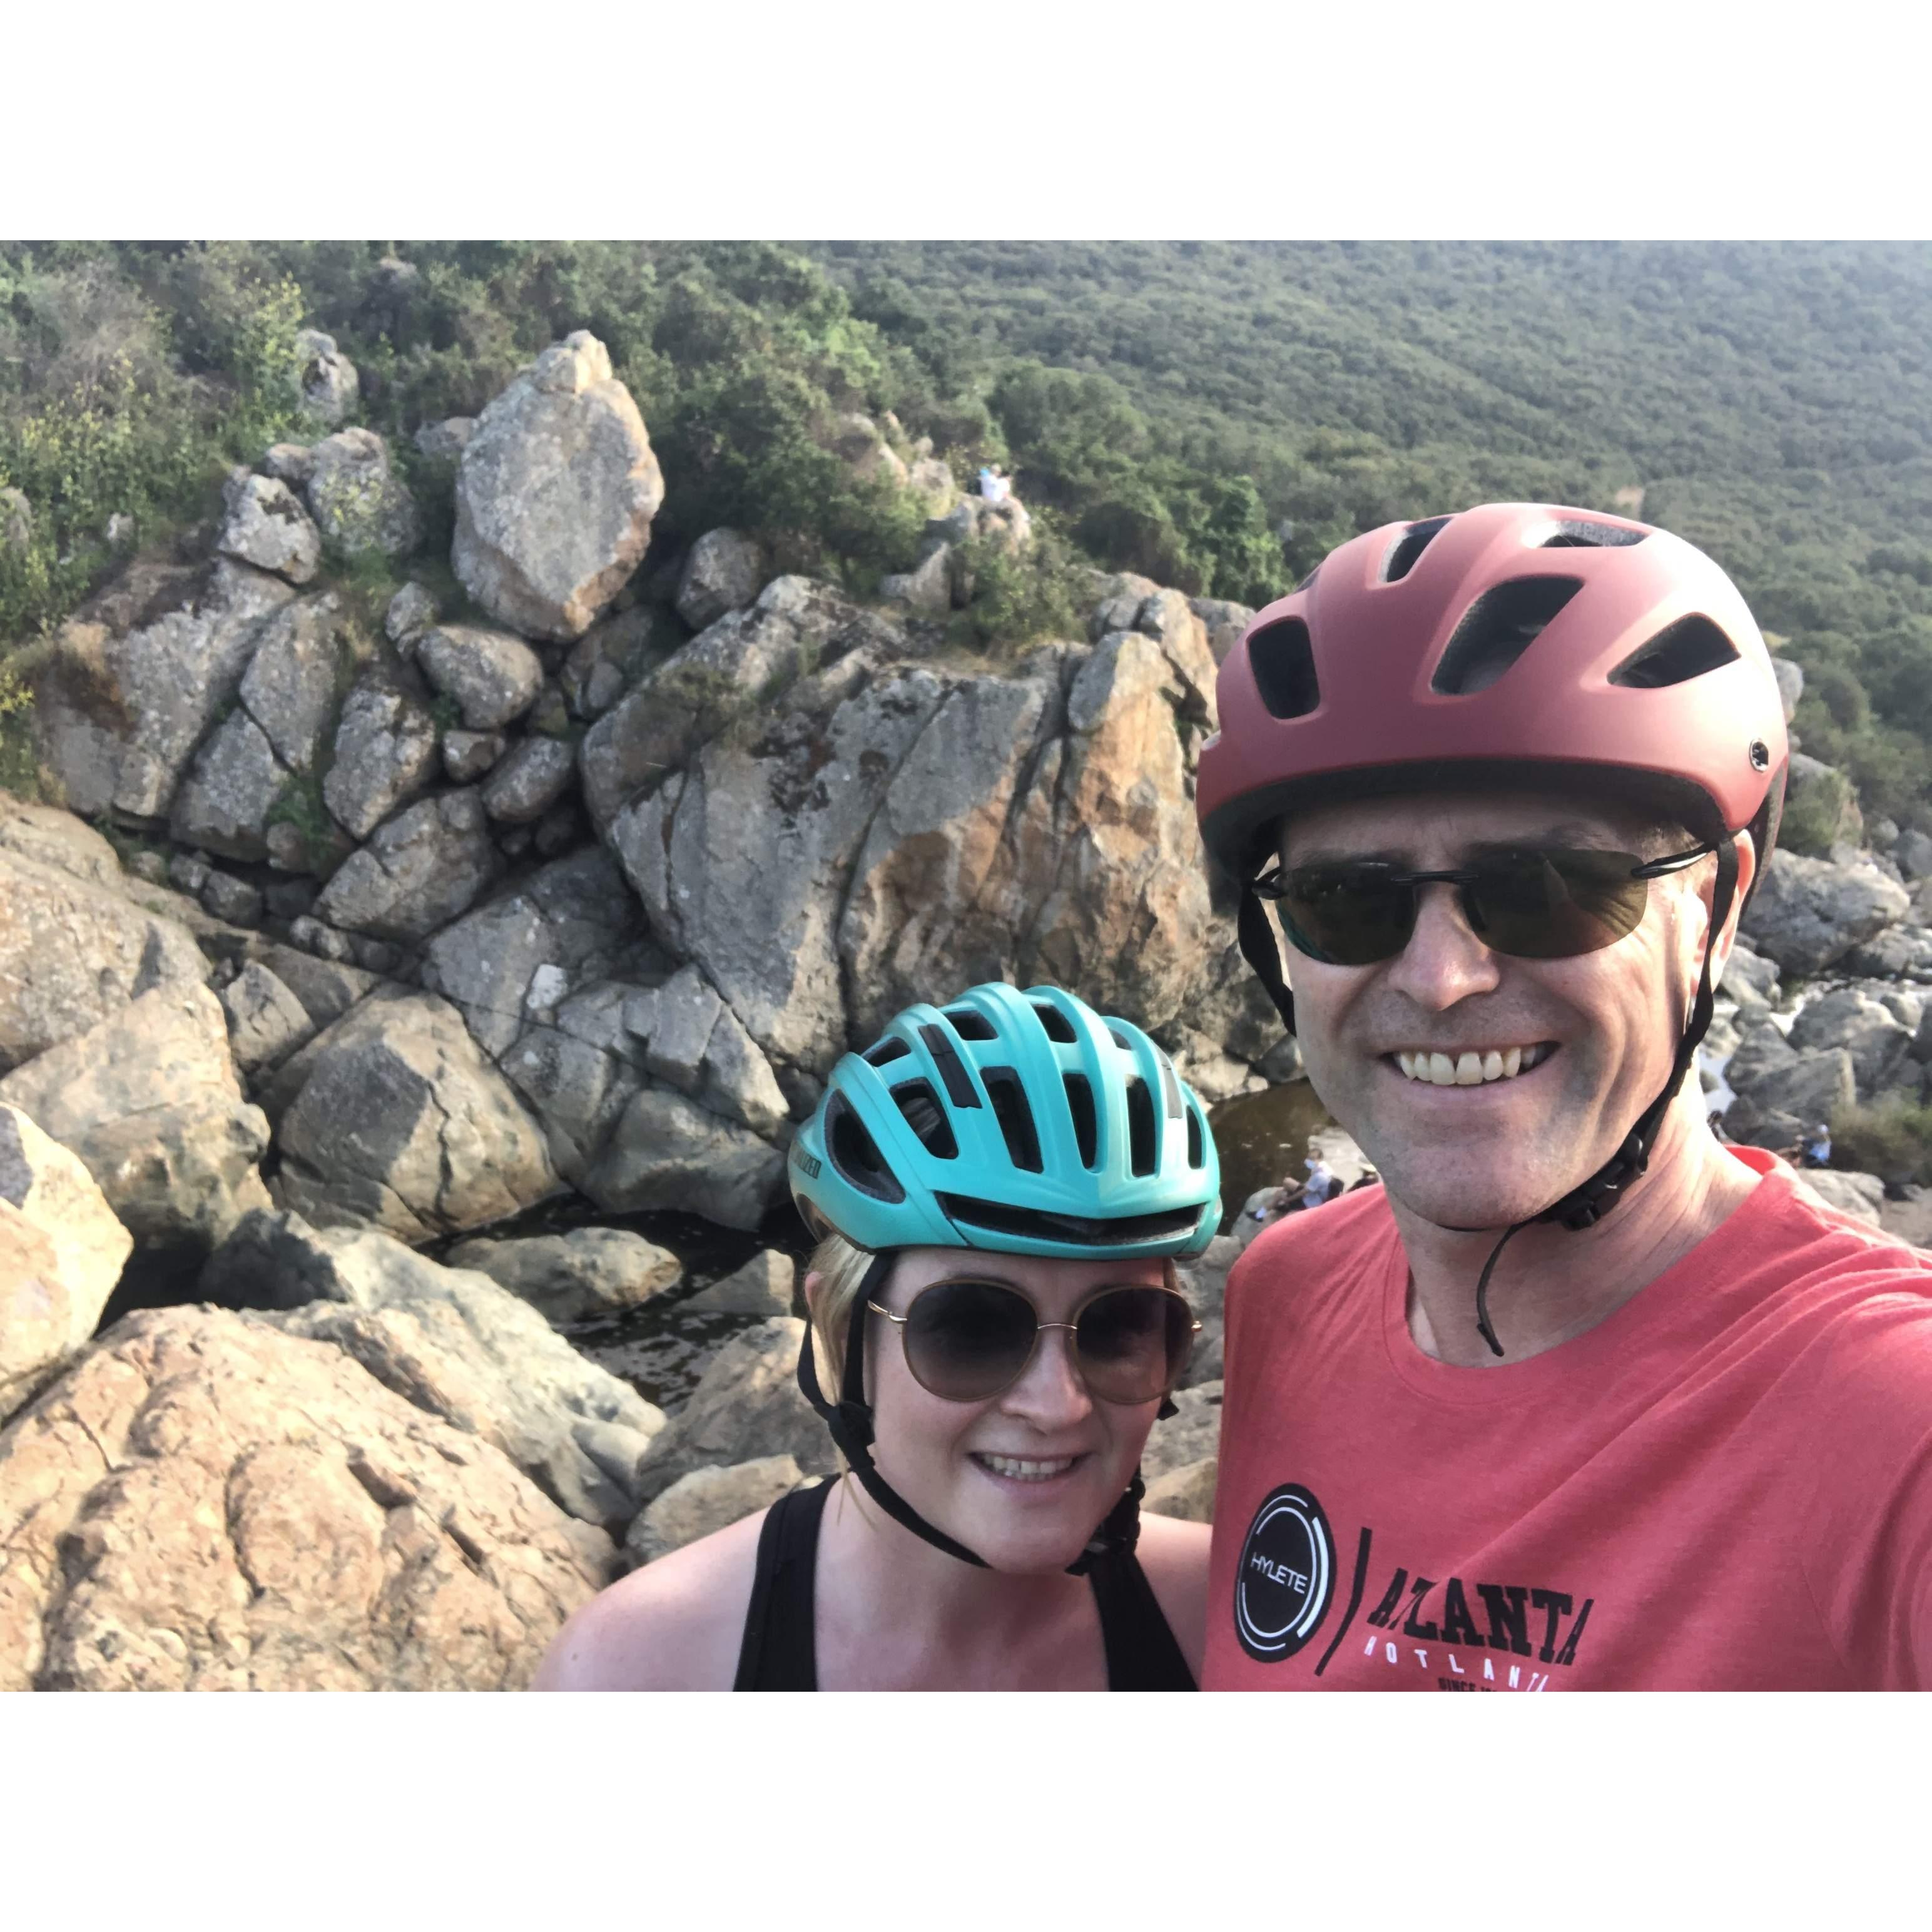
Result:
[{"x": 1550, "y": 1062}]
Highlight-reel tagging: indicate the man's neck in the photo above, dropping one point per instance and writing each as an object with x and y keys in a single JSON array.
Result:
[{"x": 1551, "y": 1284}]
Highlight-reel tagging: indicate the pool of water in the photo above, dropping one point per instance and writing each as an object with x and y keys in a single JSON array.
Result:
[{"x": 1262, "y": 1138}]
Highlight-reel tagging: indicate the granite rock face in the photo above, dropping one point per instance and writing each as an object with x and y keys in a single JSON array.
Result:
[{"x": 265, "y": 526}]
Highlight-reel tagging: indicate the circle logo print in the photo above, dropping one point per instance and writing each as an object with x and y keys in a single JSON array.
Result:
[{"x": 1285, "y": 1576}]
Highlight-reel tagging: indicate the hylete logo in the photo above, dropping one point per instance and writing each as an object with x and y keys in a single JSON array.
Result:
[{"x": 1286, "y": 1576}]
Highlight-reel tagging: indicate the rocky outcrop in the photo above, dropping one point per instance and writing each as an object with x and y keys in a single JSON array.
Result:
[
  {"x": 61, "y": 1251},
  {"x": 359, "y": 502},
  {"x": 204, "y": 1503},
  {"x": 565, "y": 1278},
  {"x": 724, "y": 571},
  {"x": 391, "y": 1119},
  {"x": 420, "y": 870},
  {"x": 149, "y": 1101},
  {"x": 1810, "y": 913},
  {"x": 330, "y": 387},
  {"x": 762, "y": 1287},
  {"x": 555, "y": 493},
  {"x": 666, "y": 1152},
  {"x": 705, "y": 1500}
]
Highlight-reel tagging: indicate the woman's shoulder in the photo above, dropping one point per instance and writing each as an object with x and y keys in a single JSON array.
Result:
[
  {"x": 1173, "y": 1555},
  {"x": 676, "y": 1625}
]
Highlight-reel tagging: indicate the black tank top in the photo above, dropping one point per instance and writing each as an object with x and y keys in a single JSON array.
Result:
[{"x": 779, "y": 1652}]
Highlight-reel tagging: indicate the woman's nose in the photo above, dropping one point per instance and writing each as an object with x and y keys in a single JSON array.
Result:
[{"x": 1051, "y": 1391}]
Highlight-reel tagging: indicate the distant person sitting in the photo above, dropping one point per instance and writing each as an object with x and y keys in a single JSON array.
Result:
[
  {"x": 1319, "y": 1186},
  {"x": 994, "y": 485},
  {"x": 1818, "y": 1146}
]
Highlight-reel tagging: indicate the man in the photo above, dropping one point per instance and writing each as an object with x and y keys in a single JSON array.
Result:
[{"x": 1580, "y": 1398}]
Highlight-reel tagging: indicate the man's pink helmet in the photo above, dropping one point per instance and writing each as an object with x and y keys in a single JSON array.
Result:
[{"x": 1504, "y": 643}]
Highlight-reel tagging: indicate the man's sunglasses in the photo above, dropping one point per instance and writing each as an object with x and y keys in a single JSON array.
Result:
[
  {"x": 1532, "y": 902},
  {"x": 968, "y": 1341}
]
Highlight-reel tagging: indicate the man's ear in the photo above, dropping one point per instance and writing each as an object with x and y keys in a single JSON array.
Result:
[{"x": 1723, "y": 941}]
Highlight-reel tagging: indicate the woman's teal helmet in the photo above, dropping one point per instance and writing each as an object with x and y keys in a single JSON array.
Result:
[{"x": 1023, "y": 1122}]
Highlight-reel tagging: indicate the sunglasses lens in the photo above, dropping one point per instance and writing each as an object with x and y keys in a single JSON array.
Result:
[
  {"x": 1134, "y": 1343},
  {"x": 1346, "y": 915},
  {"x": 966, "y": 1340},
  {"x": 1555, "y": 903}
]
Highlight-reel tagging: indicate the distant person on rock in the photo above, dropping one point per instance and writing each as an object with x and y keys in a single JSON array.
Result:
[
  {"x": 1818, "y": 1146},
  {"x": 994, "y": 485},
  {"x": 1000, "y": 1188},
  {"x": 1579, "y": 1380}
]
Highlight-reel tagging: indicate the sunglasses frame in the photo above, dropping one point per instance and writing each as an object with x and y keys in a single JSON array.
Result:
[
  {"x": 1272, "y": 885},
  {"x": 1039, "y": 1328}
]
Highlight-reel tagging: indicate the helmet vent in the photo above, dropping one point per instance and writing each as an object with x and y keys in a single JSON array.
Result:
[
  {"x": 999, "y": 1217},
  {"x": 927, "y": 1118},
  {"x": 1497, "y": 629},
  {"x": 1014, "y": 1115},
  {"x": 1284, "y": 667},
  {"x": 1687, "y": 649},
  {"x": 1170, "y": 1087},
  {"x": 952, "y": 1069},
  {"x": 1086, "y": 1132},
  {"x": 1141, "y": 1140},
  {"x": 1408, "y": 548},
  {"x": 855, "y": 1154},
  {"x": 1119, "y": 1039},
  {"x": 1576, "y": 533},
  {"x": 886, "y": 1052},
  {"x": 1059, "y": 1028},
  {"x": 1197, "y": 1140},
  {"x": 970, "y": 1024}
]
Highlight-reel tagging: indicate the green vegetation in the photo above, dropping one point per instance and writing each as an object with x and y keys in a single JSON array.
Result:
[
  {"x": 1166, "y": 408},
  {"x": 1891, "y": 1138}
]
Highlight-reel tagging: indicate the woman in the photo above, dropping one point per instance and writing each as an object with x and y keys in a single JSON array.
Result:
[{"x": 1000, "y": 1188}]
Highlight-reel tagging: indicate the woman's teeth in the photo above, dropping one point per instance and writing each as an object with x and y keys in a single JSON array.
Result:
[
  {"x": 1023, "y": 1469},
  {"x": 1472, "y": 1070}
]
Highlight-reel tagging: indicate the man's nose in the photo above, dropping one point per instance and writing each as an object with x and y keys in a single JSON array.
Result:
[{"x": 1445, "y": 960}]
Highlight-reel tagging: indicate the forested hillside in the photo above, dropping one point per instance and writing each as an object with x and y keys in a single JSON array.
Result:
[{"x": 1168, "y": 407}]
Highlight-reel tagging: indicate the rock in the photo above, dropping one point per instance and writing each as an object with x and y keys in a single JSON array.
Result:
[
  {"x": 1908, "y": 1008},
  {"x": 400, "y": 1124},
  {"x": 148, "y": 1100},
  {"x": 445, "y": 441},
  {"x": 1913, "y": 854},
  {"x": 61, "y": 1251},
  {"x": 724, "y": 571},
  {"x": 1187, "y": 1492},
  {"x": 930, "y": 478},
  {"x": 468, "y": 755},
  {"x": 324, "y": 941},
  {"x": 119, "y": 716},
  {"x": 1120, "y": 598},
  {"x": 1749, "y": 979},
  {"x": 1790, "y": 676},
  {"x": 295, "y": 680},
  {"x": 264, "y": 526},
  {"x": 1899, "y": 953},
  {"x": 330, "y": 386},
  {"x": 667, "y": 1152},
  {"x": 1204, "y": 1282},
  {"x": 225, "y": 897},
  {"x": 1875, "y": 1038},
  {"x": 746, "y": 1407},
  {"x": 73, "y": 953},
  {"x": 223, "y": 804},
  {"x": 763, "y": 1286},
  {"x": 1762, "y": 1050},
  {"x": 1005, "y": 524},
  {"x": 1881, "y": 834},
  {"x": 202, "y": 1503},
  {"x": 555, "y": 493},
  {"x": 710, "y": 1498},
  {"x": 1224, "y": 622},
  {"x": 1784, "y": 1102},
  {"x": 266, "y": 1022},
  {"x": 560, "y": 830},
  {"x": 51, "y": 837},
  {"x": 419, "y": 870},
  {"x": 409, "y": 611},
  {"x": 358, "y": 504},
  {"x": 613, "y": 654},
  {"x": 1810, "y": 912},
  {"x": 1910, "y": 1220},
  {"x": 493, "y": 677},
  {"x": 694, "y": 1041},
  {"x": 1860, "y": 1196},
  {"x": 1822, "y": 799},
  {"x": 588, "y": 1272},
  {"x": 17, "y": 520},
  {"x": 385, "y": 754},
  {"x": 289, "y": 463},
  {"x": 1188, "y": 1436},
  {"x": 530, "y": 781},
  {"x": 325, "y": 990},
  {"x": 927, "y": 587},
  {"x": 681, "y": 1015}
]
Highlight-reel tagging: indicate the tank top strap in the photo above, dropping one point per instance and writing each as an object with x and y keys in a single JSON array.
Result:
[
  {"x": 779, "y": 1651},
  {"x": 1141, "y": 1652}
]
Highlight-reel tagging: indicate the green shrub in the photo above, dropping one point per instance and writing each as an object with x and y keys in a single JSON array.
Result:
[{"x": 1891, "y": 1138}]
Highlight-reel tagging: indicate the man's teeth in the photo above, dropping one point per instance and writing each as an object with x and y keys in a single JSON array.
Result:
[
  {"x": 1472, "y": 1070},
  {"x": 1024, "y": 1470}
]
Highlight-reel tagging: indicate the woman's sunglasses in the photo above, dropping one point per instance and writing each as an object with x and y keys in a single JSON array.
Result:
[
  {"x": 1534, "y": 902},
  {"x": 966, "y": 1341}
]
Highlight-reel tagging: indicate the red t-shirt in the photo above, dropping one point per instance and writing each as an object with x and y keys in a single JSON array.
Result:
[{"x": 1725, "y": 1485}]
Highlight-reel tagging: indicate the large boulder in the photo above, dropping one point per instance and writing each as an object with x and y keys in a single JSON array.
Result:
[
  {"x": 1782, "y": 1106},
  {"x": 723, "y": 571},
  {"x": 1899, "y": 953},
  {"x": 266, "y": 1022},
  {"x": 555, "y": 493},
  {"x": 1877, "y": 1041},
  {"x": 1224, "y": 622},
  {"x": 613, "y": 655},
  {"x": 1860, "y": 1196},
  {"x": 491, "y": 675},
  {"x": 1810, "y": 913},
  {"x": 73, "y": 952},
  {"x": 329, "y": 385},
  {"x": 384, "y": 754},
  {"x": 149, "y": 1100},
  {"x": 763, "y": 1287},
  {"x": 667, "y": 1152},
  {"x": 420, "y": 870},
  {"x": 455, "y": 1343},
  {"x": 397, "y": 1122},
  {"x": 51, "y": 837},
  {"x": 706, "y": 1500},
  {"x": 137, "y": 678},
  {"x": 588, "y": 1272},
  {"x": 745, "y": 1407},
  {"x": 360, "y": 504},
  {"x": 61, "y": 1251},
  {"x": 264, "y": 525},
  {"x": 203, "y": 1503},
  {"x": 530, "y": 780}
]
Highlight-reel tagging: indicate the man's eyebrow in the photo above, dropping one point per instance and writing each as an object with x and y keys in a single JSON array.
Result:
[{"x": 1571, "y": 831}]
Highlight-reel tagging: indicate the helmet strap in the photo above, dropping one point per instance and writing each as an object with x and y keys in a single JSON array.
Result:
[
  {"x": 1586, "y": 1204},
  {"x": 1262, "y": 952},
  {"x": 850, "y": 1422}
]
